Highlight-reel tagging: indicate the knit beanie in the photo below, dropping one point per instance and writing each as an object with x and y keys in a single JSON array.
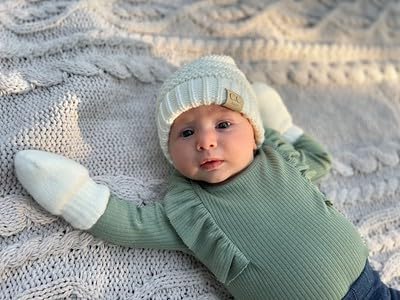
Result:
[{"x": 212, "y": 79}]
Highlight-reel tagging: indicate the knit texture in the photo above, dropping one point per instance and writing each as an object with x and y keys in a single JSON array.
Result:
[
  {"x": 80, "y": 78},
  {"x": 207, "y": 80}
]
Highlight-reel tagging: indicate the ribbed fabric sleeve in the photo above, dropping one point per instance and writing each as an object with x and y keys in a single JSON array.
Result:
[{"x": 127, "y": 224}]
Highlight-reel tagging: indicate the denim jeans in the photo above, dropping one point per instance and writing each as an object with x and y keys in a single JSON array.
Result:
[{"x": 369, "y": 286}]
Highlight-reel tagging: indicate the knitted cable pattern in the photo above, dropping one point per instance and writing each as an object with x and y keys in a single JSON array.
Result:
[{"x": 80, "y": 78}]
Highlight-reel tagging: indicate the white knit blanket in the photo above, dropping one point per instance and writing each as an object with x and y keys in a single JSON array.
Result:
[{"x": 80, "y": 78}]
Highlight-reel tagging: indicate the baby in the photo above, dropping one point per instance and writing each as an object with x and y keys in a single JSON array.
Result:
[{"x": 242, "y": 198}]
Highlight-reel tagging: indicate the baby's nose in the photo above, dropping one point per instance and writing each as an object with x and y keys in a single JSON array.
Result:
[{"x": 206, "y": 141}]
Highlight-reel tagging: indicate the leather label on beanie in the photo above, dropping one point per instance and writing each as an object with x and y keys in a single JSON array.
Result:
[{"x": 233, "y": 101}]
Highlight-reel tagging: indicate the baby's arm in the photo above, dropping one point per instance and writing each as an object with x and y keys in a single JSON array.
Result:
[
  {"x": 290, "y": 139},
  {"x": 63, "y": 187},
  {"x": 304, "y": 151},
  {"x": 126, "y": 224}
]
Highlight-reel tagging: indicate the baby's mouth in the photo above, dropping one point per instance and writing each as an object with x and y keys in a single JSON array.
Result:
[{"x": 211, "y": 164}]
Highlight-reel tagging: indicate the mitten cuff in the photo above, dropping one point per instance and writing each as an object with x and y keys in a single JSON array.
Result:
[
  {"x": 85, "y": 207},
  {"x": 293, "y": 133}
]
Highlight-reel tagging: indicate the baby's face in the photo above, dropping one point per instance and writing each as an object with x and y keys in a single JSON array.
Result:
[{"x": 211, "y": 143}]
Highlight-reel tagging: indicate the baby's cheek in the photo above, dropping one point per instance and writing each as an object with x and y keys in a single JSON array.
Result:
[{"x": 183, "y": 166}]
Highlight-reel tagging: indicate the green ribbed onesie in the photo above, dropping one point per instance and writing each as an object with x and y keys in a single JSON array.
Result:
[{"x": 267, "y": 233}]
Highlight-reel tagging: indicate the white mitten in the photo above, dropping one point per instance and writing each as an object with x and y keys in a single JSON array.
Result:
[
  {"x": 274, "y": 113},
  {"x": 62, "y": 186}
]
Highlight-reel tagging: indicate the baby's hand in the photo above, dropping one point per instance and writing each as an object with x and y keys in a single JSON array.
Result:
[
  {"x": 273, "y": 111},
  {"x": 62, "y": 186}
]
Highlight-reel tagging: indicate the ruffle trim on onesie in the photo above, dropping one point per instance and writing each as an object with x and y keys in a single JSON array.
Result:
[{"x": 198, "y": 230}]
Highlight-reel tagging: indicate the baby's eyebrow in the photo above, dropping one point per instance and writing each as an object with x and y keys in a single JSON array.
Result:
[
  {"x": 227, "y": 114},
  {"x": 184, "y": 123}
]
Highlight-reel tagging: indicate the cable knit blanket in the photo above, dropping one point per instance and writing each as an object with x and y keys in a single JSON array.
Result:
[{"x": 80, "y": 78}]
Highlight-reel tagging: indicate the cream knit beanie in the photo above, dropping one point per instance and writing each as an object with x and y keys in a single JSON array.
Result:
[{"x": 208, "y": 80}]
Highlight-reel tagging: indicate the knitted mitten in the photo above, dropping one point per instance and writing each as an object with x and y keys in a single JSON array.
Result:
[
  {"x": 274, "y": 113},
  {"x": 62, "y": 186}
]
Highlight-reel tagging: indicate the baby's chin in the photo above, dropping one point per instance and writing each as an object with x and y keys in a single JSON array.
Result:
[
  {"x": 216, "y": 178},
  {"x": 208, "y": 178},
  {"x": 216, "y": 181}
]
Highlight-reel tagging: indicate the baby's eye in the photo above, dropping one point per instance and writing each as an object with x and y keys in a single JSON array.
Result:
[
  {"x": 224, "y": 124},
  {"x": 187, "y": 132}
]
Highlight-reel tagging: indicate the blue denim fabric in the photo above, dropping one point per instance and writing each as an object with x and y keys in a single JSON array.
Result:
[{"x": 369, "y": 286}]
